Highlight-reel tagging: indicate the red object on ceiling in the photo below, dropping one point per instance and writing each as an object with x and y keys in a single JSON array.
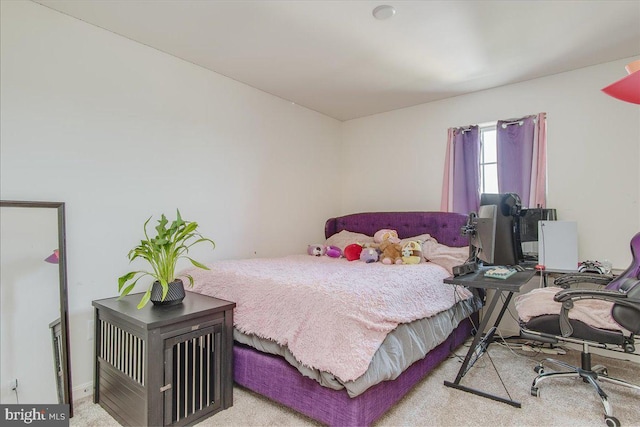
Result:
[{"x": 627, "y": 88}]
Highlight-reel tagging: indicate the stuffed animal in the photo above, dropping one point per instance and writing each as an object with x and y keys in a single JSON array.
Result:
[
  {"x": 352, "y": 251},
  {"x": 369, "y": 255},
  {"x": 386, "y": 234},
  {"x": 391, "y": 252},
  {"x": 411, "y": 252},
  {"x": 333, "y": 251},
  {"x": 316, "y": 250}
]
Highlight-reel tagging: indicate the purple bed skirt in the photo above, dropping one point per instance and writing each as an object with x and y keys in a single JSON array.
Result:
[{"x": 272, "y": 377}]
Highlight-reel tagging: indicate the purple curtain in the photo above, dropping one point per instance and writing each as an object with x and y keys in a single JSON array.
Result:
[
  {"x": 464, "y": 171},
  {"x": 515, "y": 142}
]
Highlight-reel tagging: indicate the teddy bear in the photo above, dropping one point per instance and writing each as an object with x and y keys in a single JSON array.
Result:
[
  {"x": 391, "y": 253},
  {"x": 386, "y": 234},
  {"x": 411, "y": 252}
]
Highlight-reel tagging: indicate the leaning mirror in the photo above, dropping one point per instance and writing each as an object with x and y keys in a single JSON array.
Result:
[{"x": 34, "y": 344}]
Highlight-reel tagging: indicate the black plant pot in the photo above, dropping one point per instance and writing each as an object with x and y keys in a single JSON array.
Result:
[{"x": 175, "y": 294}]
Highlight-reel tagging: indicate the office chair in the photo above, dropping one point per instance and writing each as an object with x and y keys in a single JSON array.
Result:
[{"x": 624, "y": 292}]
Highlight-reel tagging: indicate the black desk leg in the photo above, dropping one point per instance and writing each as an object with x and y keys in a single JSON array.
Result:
[{"x": 479, "y": 346}]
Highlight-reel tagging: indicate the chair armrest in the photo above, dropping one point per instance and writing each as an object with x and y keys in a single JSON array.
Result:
[
  {"x": 577, "y": 294},
  {"x": 567, "y": 280},
  {"x": 568, "y": 296}
]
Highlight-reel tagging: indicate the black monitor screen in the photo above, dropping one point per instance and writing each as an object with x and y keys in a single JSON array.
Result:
[
  {"x": 507, "y": 247},
  {"x": 529, "y": 222}
]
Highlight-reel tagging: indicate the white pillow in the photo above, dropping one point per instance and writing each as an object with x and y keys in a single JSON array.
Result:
[
  {"x": 446, "y": 256},
  {"x": 345, "y": 238},
  {"x": 419, "y": 238}
]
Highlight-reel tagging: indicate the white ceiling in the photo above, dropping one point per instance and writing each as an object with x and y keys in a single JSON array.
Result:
[{"x": 335, "y": 58}]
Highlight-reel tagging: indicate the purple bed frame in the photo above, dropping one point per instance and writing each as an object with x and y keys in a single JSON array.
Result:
[{"x": 273, "y": 377}]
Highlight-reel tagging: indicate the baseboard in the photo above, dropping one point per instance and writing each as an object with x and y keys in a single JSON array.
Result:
[{"x": 83, "y": 390}]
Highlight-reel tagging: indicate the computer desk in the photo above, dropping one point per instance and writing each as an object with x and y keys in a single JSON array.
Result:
[{"x": 482, "y": 340}]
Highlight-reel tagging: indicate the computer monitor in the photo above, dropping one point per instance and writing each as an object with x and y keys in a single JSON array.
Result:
[
  {"x": 507, "y": 246},
  {"x": 482, "y": 238},
  {"x": 529, "y": 219}
]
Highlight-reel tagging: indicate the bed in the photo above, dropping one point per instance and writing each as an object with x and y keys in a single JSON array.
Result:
[{"x": 351, "y": 389}]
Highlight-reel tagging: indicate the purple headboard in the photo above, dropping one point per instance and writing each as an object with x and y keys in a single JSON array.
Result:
[{"x": 443, "y": 226}]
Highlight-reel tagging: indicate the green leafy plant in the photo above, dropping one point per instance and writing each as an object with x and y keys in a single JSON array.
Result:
[{"x": 162, "y": 253}]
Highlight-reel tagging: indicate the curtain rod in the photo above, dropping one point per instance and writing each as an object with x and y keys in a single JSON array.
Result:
[
  {"x": 464, "y": 129},
  {"x": 515, "y": 122},
  {"x": 509, "y": 122}
]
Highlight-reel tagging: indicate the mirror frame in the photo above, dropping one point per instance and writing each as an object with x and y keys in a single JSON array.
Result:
[{"x": 62, "y": 272}]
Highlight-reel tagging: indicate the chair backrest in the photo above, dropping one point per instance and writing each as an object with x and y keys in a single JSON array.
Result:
[
  {"x": 633, "y": 272},
  {"x": 625, "y": 315},
  {"x": 629, "y": 283}
]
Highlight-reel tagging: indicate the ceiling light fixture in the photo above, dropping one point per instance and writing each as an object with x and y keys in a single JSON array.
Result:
[
  {"x": 627, "y": 88},
  {"x": 384, "y": 12}
]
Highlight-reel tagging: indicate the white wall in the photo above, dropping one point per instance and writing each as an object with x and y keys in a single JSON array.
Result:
[
  {"x": 120, "y": 132},
  {"x": 395, "y": 160}
]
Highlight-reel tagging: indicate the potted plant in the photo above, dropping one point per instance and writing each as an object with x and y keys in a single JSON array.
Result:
[{"x": 162, "y": 253}]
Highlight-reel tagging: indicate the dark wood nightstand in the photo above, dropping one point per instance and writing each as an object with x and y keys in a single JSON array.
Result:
[{"x": 163, "y": 365}]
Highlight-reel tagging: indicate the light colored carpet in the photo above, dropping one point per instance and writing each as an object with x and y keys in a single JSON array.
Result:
[{"x": 562, "y": 402}]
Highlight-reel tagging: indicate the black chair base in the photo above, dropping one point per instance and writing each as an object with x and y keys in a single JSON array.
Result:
[{"x": 589, "y": 375}]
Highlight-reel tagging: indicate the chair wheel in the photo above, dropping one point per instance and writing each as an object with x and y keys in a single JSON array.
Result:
[
  {"x": 539, "y": 369},
  {"x": 611, "y": 421},
  {"x": 535, "y": 392}
]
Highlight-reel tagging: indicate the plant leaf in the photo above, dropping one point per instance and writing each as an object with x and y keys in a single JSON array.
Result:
[
  {"x": 188, "y": 276},
  {"x": 128, "y": 289},
  {"x": 124, "y": 279},
  {"x": 203, "y": 239},
  {"x": 142, "y": 274},
  {"x": 197, "y": 264},
  {"x": 145, "y": 299}
]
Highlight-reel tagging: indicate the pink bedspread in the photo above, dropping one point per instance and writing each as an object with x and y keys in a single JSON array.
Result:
[{"x": 331, "y": 313}]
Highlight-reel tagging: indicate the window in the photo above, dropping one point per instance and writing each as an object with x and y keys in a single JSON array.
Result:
[
  {"x": 488, "y": 159},
  {"x": 471, "y": 162}
]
